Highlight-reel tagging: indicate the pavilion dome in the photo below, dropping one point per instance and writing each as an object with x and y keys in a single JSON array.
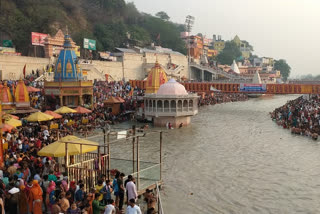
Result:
[
  {"x": 172, "y": 87},
  {"x": 156, "y": 77}
]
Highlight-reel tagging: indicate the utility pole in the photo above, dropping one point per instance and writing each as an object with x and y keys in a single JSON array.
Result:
[{"x": 188, "y": 25}]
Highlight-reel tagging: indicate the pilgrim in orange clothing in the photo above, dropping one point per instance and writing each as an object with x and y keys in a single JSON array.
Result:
[
  {"x": 27, "y": 191},
  {"x": 36, "y": 196}
]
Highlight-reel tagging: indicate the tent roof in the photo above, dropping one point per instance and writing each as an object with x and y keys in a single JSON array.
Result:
[
  {"x": 82, "y": 110},
  {"x": 58, "y": 148},
  {"x": 53, "y": 114},
  {"x": 113, "y": 100}
]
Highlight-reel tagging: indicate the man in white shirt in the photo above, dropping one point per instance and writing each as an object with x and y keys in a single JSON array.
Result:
[
  {"x": 110, "y": 209},
  {"x": 133, "y": 208},
  {"x": 131, "y": 189}
]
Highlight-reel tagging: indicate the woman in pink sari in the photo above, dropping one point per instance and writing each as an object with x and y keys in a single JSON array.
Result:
[{"x": 51, "y": 187}]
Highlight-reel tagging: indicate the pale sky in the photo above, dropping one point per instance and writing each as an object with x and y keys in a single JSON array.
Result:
[{"x": 282, "y": 29}]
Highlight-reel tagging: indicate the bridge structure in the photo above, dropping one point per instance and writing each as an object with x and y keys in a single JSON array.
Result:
[
  {"x": 209, "y": 87},
  {"x": 203, "y": 73}
]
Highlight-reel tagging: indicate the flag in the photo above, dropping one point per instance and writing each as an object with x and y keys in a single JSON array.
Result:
[{"x": 24, "y": 71}]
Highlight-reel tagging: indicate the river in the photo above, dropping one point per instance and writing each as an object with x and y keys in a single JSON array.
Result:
[{"x": 235, "y": 159}]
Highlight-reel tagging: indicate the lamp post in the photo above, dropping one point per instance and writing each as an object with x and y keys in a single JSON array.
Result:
[{"x": 188, "y": 25}]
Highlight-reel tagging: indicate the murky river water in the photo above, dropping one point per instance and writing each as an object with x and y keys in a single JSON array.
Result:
[{"x": 234, "y": 159}]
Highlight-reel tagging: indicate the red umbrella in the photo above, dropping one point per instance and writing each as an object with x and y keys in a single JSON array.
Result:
[
  {"x": 53, "y": 114},
  {"x": 32, "y": 89},
  {"x": 81, "y": 110}
]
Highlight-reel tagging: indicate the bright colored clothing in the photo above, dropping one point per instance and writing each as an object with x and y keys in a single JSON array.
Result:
[
  {"x": 98, "y": 189},
  {"x": 96, "y": 207},
  {"x": 36, "y": 198}
]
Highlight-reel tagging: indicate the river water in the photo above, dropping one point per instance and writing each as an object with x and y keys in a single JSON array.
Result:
[{"x": 234, "y": 159}]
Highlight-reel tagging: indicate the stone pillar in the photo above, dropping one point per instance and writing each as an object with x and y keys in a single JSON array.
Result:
[
  {"x": 156, "y": 105},
  {"x": 61, "y": 100},
  {"x": 202, "y": 75},
  {"x": 81, "y": 100}
]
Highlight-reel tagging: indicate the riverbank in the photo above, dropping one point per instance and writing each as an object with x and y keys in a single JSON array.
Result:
[
  {"x": 219, "y": 97},
  {"x": 300, "y": 115}
]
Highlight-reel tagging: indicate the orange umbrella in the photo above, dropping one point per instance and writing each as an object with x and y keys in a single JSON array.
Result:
[
  {"x": 53, "y": 114},
  {"x": 4, "y": 114},
  {"x": 81, "y": 110},
  {"x": 32, "y": 89},
  {"x": 7, "y": 127}
]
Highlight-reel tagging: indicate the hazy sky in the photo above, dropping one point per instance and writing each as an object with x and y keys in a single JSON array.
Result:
[{"x": 282, "y": 29}]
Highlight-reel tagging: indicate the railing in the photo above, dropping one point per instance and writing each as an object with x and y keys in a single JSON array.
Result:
[
  {"x": 160, "y": 207},
  {"x": 88, "y": 170}
]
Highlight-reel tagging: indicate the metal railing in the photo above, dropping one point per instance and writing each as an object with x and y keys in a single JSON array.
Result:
[{"x": 160, "y": 207}]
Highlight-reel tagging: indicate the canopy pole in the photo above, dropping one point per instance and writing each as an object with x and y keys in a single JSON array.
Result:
[
  {"x": 160, "y": 156},
  {"x": 66, "y": 157},
  {"x": 81, "y": 155},
  {"x": 138, "y": 165},
  {"x": 133, "y": 141},
  {"x": 109, "y": 165}
]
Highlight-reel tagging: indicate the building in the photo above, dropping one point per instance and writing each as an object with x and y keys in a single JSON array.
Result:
[
  {"x": 244, "y": 46},
  {"x": 171, "y": 104},
  {"x": 196, "y": 47},
  {"x": 218, "y": 43},
  {"x": 54, "y": 44},
  {"x": 263, "y": 62},
  {"x": 68, "y": 87}
]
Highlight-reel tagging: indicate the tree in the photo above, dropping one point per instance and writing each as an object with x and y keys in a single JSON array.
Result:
[
  {"x": 163, "y": 15},
  {"x": 230, "y": 52},
  {"x": 283, "y": 67}
]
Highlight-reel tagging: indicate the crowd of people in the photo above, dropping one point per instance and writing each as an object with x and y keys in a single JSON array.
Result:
[
  {"x": 32, "y": 184},
  {"x": 220, "y": 97},
  {"x": 301, "y": 115}
]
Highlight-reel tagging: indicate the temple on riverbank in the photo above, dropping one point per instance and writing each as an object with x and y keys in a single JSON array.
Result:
[
  {"x": 171, "y": 104},
  {"x": 68, "y": 86}
]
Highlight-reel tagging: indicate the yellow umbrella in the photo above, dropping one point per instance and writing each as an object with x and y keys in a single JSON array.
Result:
[
  {"x": 58, "y": 148},
  {"x": 38, "y": 117},
  {"x": 65, "y": 110},
  {"x": 14, "y": 122}
]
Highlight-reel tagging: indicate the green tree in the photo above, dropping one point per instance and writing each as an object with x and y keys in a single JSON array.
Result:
[
  {"x": 230, "y": 52},
  {"x": 163, "y": 15},
  {"x": 283, "y": 67}
]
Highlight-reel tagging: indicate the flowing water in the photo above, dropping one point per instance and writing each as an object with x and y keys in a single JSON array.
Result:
[{"x": 234, "y": 159}]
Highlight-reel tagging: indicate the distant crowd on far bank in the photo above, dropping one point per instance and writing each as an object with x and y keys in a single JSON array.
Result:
[
  {"x": 220, "y": 97},
  {"x": 301, "y": 115}
]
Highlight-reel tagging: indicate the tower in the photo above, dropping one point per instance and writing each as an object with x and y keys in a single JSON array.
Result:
[{"x": 67, "y": 67}]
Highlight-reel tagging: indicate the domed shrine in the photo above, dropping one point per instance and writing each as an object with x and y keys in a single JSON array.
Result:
[
  {"x": 21, "y": 95},
  {"x": 156, "y": 77},
  {"x": 6, "y": 97},
  {"x": 68, "y": 87},
  {"x": 20, "y": 102},
  {"x": 171, "y": 104}
]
